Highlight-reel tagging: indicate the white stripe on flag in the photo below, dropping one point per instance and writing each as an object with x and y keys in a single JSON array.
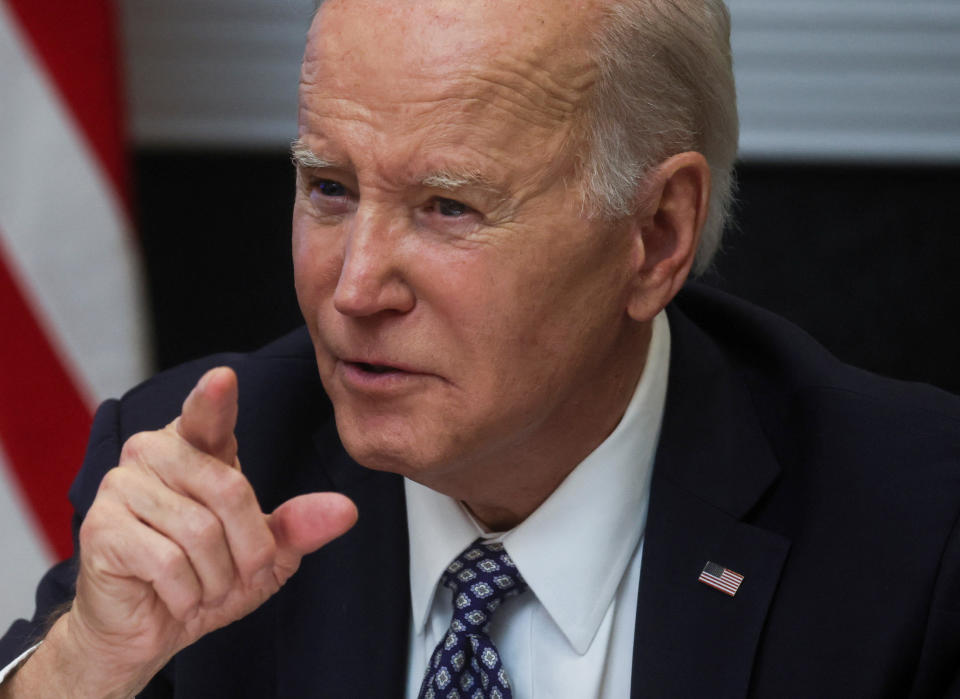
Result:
[
  {"x": 63, "y": 225},
  {"x": 727, "y": 582},
  {"x": 23, "y": 555},
  {"x": 69, "y": 247}
]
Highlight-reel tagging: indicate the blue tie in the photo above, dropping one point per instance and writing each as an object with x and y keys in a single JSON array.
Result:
[{"x": 466, "y": 664}]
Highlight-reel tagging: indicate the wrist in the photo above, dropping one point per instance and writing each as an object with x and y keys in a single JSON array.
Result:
[{"x": 63, "y": 666}]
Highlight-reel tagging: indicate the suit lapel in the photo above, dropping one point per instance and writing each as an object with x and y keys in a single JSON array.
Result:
[
  {"x": 343, "y": 618},
  {"x": 692, "y": 638},
  {"x": 713, "y": 464}
]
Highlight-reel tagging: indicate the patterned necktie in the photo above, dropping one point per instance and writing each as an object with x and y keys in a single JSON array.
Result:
[{"x": 466, "y": 665}]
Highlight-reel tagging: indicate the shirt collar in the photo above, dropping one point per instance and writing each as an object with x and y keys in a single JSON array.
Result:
[{"x": 572, "y": 556}]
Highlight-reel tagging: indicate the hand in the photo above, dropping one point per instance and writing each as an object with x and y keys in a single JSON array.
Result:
[{"x": 175, "y": 546}]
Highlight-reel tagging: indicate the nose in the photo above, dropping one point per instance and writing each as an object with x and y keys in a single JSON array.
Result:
[{"x": 371, "y": 279}]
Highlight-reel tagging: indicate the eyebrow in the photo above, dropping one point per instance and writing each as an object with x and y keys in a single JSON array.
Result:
[
  {"x": 303, "y": 157},
  {"x": 451, "y": 181},
  {"x": 444, "y": 180}
]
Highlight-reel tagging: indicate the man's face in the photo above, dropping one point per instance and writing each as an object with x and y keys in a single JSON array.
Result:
[{"x": 463, "y": 308}]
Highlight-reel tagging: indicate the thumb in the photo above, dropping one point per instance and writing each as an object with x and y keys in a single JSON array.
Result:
[
  {"x": 209, "y": 415},
  {"x": 303, "y": 524}
]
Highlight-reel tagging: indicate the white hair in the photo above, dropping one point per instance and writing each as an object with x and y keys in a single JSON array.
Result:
[{"x": 665, "y": 85}]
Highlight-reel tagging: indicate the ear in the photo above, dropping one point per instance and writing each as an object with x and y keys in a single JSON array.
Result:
[{"x": 666, "y": 231}]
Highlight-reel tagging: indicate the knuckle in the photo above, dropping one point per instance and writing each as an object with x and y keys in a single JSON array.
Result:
[
  {"x": 97, "y": 526},
  {"x": 233, "y": 489},
  {"x": 105, "y": 545},
  {"x": 134, "y": 447},
  {"x": 88, "y": 532},
  {"x": 263, "y": 557},
  {"x": 201, "y": 527},
  {"x": 170, "y": 562},
  {"x": 257, "y": 555},
  {"x": 112, "y": 481},
  {"x": 120, "y": 486},
  {"x": 138, "y": 448}
]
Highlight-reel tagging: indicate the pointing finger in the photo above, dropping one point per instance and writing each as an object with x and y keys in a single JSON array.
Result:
[{"x": 210, "y": 414}]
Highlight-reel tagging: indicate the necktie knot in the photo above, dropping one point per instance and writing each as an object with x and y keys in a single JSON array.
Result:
[
  {"x": 466, "y": 663},
  {"x": 481, "y": 578}
]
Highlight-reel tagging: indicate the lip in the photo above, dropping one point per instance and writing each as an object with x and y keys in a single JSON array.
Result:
[{"x": 374, "y": 361}]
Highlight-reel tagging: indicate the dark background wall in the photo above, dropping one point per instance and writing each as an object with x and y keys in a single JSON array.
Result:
[
  {"x": 850, "y": 138},
  {"x": 863, "y": 257}
]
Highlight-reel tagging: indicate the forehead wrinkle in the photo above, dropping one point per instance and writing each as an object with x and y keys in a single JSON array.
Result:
[
  {"x": 540, "y": 88},
  {"x": 522, "y": 97},
  {"x": 518, "y": 105},
  {"x": 334, "y": 106},
  {"x": 532, "y": 86}
]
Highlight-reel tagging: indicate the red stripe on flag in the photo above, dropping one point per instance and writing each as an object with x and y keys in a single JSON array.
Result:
[
  {"x": 44, "y": 420},
  {"x": 76, "y": 42}
]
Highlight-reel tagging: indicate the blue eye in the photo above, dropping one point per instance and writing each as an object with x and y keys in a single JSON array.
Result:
[
  {"x": 451, "y": 208},
  {"x": 329, "y": 188}
]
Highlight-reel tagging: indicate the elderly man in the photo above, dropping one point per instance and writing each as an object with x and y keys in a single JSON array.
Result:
[{"x": 496, "y": 201}]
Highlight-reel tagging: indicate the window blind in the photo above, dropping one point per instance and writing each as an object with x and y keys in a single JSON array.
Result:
[{"x": 841, "y": 80}]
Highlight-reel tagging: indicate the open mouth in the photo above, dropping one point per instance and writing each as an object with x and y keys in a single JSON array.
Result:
[{"x": 375, "y": 368}]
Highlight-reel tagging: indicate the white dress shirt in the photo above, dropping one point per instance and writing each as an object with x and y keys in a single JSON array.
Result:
[
  {"x": 571, "y": 634},
  {"x": 13, "y": 665}
]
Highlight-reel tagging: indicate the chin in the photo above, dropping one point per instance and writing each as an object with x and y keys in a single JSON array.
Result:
[
  {"x": 381, "y": 448},
  {"x": 378, "y": 459}
]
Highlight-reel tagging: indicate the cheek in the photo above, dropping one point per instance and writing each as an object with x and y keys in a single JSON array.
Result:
[
  {"x": 316, "y": 267},
  {"x": 555, "y": 309},
  {"x": 502, "y": 325}
]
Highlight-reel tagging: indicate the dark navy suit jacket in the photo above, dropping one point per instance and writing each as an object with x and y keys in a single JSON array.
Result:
[{"x": 835, "y": 493}]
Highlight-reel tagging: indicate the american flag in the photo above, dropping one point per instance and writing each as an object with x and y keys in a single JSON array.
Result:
[
  {"x": 70, "y": 320},
  {"x": 721, "y": 578}
]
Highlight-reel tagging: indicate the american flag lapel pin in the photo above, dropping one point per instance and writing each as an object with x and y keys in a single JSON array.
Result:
[{"x": 720, "y": 578}]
